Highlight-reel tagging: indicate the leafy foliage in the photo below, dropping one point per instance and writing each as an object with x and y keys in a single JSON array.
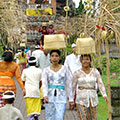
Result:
[
  {"x": 114, "y": 69},
  {"x": 80, "y": 9}
]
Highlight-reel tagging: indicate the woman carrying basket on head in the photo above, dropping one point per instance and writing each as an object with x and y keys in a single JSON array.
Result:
[{"x": 85, "y": 80}]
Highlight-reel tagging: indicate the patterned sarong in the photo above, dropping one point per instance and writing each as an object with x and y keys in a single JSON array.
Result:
[
  {"x": 85, "y": 113},
  {"x": 54, "y": 111},
  {"x": 22, "y": 67}
]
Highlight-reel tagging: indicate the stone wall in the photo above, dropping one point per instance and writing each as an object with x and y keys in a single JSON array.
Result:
[{"x": 115, "y": 102}]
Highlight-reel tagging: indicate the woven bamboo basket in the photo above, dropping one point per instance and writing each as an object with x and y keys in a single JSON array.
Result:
[
  {"x": 56, "y": 41},
  {"x": 22, "y": 45},
  {"x": 85, "y": 46}
]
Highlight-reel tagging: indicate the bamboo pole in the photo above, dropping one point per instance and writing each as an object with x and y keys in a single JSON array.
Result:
[
  {"x": 108, "y": 79},
  {"x": 108, "y": 72},
  {"x": 66, "y": 22},
  {"x": 107, "y": 57},
  {"x": 96, "y": 35},
  {"x": 85, "y": 26},
  {"x": 66, "y": 25}
]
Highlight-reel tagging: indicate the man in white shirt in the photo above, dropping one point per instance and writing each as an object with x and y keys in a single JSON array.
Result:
[
  {"x": 37, "y": 52},
  {"x": 9, "y": 112},
  {"x": 72, "y": 61},
  {"x": 44, "y": 60},
  {"x": 32, "y": 78}
]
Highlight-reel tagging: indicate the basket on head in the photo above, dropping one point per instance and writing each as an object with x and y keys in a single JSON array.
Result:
[
  {"x": 85, "y": 46},
  {"x": 22, "y": 44},
  {"x": 56, "y": 41}
]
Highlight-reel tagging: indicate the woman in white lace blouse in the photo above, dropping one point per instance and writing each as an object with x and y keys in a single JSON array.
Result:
[
  {"x": 54, "y": 80},
  {"x": 85, "y": 82}
]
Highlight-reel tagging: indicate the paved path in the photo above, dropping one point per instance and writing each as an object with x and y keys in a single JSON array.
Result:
[{"x": 20, "y": 104}]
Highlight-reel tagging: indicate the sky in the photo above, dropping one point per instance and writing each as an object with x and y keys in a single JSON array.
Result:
[{"x": 76, "y": 3}]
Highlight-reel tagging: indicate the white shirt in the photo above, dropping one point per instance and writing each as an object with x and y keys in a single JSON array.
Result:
[
  {"x": 32, "y": 77},
  {"x": 81, "y": 79},
  {"x": 44, "y": 61},
  {"x": 73, "y": 62},
  {"x": 36, "y": 54},
  {"x": 8, "y": 112}
]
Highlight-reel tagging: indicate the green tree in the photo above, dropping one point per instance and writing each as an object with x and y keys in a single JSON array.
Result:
[{"x": 80, "y": 8}]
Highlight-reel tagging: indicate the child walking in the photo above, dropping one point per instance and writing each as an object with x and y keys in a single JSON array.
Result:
[{"x": 9, "y": 112}]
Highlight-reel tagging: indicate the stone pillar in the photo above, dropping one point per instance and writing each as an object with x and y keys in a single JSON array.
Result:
[
  {"x": 53, "y": 3},
  {"x": 115, "y": 102}
]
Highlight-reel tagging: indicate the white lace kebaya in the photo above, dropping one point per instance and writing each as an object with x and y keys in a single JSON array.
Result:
[
  {"x": 54, "y": 84},
  {"x": 86, "y": 87}
]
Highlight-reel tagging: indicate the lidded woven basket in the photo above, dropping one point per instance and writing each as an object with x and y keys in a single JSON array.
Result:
[
  {"x": 56, "y": 41},
  {"x": 85, "y": 46}
]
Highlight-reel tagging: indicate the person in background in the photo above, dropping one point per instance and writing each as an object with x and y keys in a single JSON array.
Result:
[
  {"x": 9, "y": 69},
  {"x": 17, "y": 55},
  {"x": 55, "y": 79},
  {"x": 22, "y": 60},
  {"x": 44, "y": 32},
  {"x": 43, "y": 62},
  {"x": 44, "y": 59},
  {"x": 32, "y": 80},
  {"x": 72, "y": 61},
  {"x": 51, "y": 29},
  {"x": 37, "y": 52},
  {"x": 84, "y": 80},
  {"x": 9, "y": 112},
  {"x": 28, "y": 52}
]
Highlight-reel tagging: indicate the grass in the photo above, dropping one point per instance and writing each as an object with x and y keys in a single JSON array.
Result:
[
  {"x": 102, "y": 109},
  {"x": 102, "y": 106}
]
